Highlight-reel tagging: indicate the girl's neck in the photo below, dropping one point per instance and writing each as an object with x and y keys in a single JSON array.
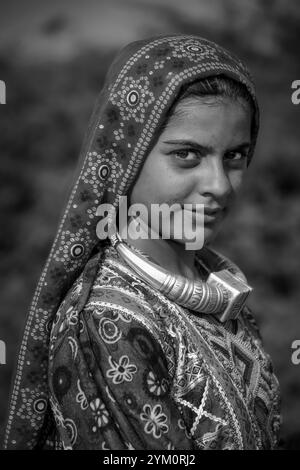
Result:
[{"x": 169, "y": 254}]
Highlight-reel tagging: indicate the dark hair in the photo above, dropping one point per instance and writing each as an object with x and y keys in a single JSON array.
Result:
[{"x": 219, "y": 87}]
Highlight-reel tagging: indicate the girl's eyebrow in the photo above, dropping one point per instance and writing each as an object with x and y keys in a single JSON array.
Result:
[
  {"x": 205, "y": 148},
  {"x": 242, "y": 146},
  {"x": 191, "y": 143}
]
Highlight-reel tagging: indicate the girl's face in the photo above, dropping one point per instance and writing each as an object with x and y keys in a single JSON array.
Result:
[{"x": 200, "y": 157}]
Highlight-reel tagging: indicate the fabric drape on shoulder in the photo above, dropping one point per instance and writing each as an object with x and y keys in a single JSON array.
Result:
[{"x": 109, "y": 382}]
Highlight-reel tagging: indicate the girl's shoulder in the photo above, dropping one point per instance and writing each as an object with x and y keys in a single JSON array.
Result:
[
  {"x": 116, "y": 283},
  {"x": 118, "y": 294},
  {"x": 251, "y": 323}
]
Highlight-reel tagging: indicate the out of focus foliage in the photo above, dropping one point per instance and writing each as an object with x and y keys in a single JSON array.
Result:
[{"x": 41, "y": 131}]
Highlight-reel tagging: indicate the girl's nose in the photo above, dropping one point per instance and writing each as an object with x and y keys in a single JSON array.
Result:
[{"x": 214, "y": 180}]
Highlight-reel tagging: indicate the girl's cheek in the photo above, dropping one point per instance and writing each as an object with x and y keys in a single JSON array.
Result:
[{"x": 236, "y": 180}]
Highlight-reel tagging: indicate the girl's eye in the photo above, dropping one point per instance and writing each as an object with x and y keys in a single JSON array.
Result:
[
  {"x": 236, "y": 156},
  {"x": 186, "y": 155}
]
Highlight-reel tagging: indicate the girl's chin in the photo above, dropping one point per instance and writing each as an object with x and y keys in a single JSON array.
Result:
[{"x": 190, "y": 243}]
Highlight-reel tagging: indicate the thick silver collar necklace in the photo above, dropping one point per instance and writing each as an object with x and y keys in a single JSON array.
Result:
[{"x": 223, "y": 294}]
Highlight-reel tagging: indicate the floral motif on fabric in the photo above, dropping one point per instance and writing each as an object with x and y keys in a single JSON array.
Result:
[
  {"x": 133, "y": 98},
  {"x": 73, "y": 247},
  {"x": 155, "y": 420},
  {"x": 101, "y": 415},
  {"x": 121, "y": 371}
]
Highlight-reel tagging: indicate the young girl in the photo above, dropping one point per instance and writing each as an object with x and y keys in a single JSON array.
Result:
[{"x": 129, "y": 343}]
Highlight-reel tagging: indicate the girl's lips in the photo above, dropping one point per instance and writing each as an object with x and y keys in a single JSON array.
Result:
[
  {"x": 210, "y": 218},
  {"x": 207, "y": 218},
  {"x": 207, "y": 210}
]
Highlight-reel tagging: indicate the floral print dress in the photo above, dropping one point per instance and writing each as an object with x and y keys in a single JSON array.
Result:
[{"x": 134, "y": 370}]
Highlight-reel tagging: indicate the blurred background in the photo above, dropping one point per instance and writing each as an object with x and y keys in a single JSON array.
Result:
[{"x": 53, "y": 59}]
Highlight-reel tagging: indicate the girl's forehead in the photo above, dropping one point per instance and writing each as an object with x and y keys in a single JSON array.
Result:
[{"x": 202, "y": 116}]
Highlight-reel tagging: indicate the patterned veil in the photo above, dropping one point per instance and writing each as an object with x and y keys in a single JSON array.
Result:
[{"x": 140, "y": 87}]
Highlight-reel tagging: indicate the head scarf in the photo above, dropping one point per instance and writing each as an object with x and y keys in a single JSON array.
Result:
[{"x": 142, "y": 83}]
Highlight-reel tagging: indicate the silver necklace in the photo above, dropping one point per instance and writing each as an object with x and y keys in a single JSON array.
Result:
[{"x": 223, "y": 294}]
